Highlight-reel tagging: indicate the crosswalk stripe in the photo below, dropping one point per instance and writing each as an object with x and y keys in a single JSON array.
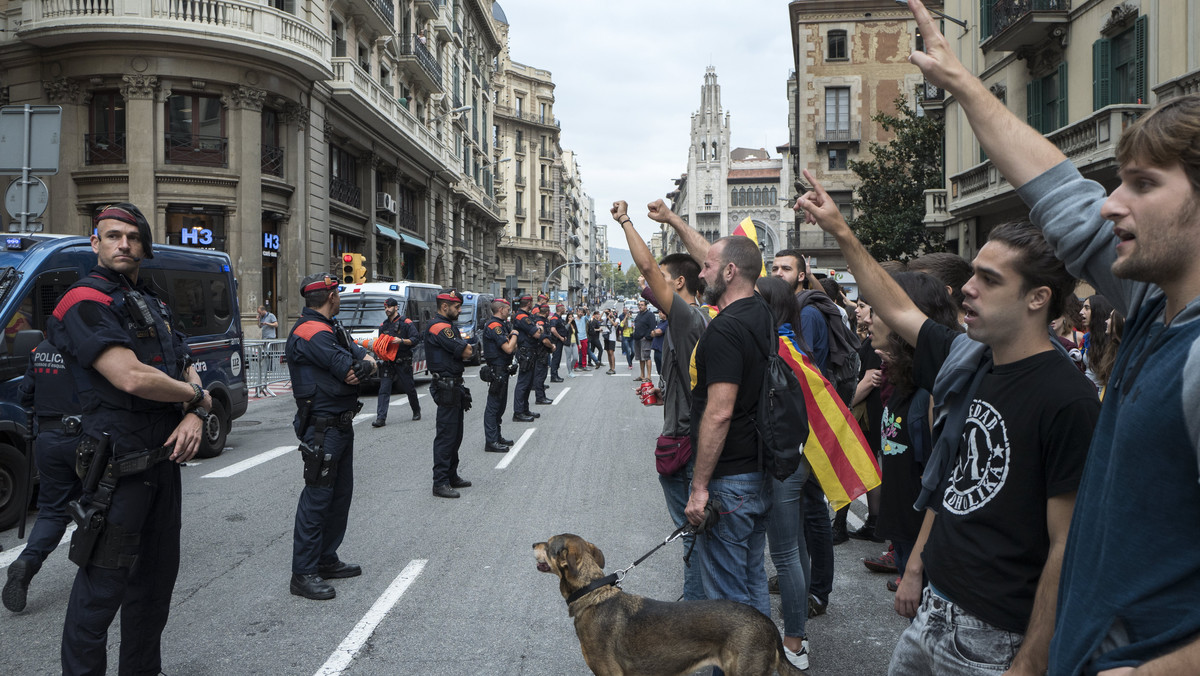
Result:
[
  {"x": 358, "y": 636},
  {"x": 238, "y": 467},
  {"x": 512, "y": 452}
]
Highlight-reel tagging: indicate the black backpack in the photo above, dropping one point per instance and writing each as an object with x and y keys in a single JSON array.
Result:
[
  {"x": 782, "y": 418},
  {"x": 844, "y": 361}
]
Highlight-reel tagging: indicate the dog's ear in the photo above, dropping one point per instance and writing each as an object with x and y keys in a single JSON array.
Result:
[{"x": 597, "y": 555}]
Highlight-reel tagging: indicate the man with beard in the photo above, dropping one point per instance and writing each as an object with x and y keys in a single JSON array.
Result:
[
  {"x": 399, "y": 370},
  {"x": 1014, "y": 418},
  {"x": 1130, "y": 591}
]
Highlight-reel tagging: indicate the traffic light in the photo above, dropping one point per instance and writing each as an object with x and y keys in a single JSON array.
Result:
[
  {"x": 618, "y": 266},
  {"x": 354, "y": 269}
]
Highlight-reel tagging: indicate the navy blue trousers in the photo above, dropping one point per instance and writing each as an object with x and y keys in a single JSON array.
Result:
[{"x": 322, "y": 512}]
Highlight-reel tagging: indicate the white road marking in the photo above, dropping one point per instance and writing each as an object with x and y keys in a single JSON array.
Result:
[
  {"x": 512, "y": 452},
  {"x": 345, "y": 653},
  {"x": 246, "y": 464},
  {"x": 363, "y": 416},
  {"x": 560, "y": 396},
  {"x": 404, "y": 400},
  {"x": 10, "y": 555},
  {"x": 623, "y": 375}
]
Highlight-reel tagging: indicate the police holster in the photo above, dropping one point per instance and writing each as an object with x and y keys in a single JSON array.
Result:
[
  {"x": 96, "y": 541},
  {"x": 320, "y": 470},
  {"x": 447, "y": 391},
  {"x": 525, "y": 359}
]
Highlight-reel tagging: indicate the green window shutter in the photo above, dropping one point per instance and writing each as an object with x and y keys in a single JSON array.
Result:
[
  {"x": 985, "y": 19},
  {"x": 1033, "y": 104},
  {"x": 1101, "y": 73},
  {"x": 1064, "y": 115},
  {"x": 1139, "y": 38}
]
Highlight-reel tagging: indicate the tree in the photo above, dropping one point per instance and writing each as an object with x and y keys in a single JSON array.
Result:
[{"x": 891, "y": 201}]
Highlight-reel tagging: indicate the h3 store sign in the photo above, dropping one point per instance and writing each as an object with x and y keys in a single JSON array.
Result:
[{"x": 270, "y": 245}]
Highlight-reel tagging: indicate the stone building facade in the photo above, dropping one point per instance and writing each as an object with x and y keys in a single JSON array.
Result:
[
  {"x": 851, "y": 60},
  {"x": 1080, "y": 72},
  {"x": 284, "y": 133}
]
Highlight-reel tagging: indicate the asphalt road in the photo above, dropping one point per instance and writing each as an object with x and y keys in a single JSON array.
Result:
[{"x": 449, "y": 586}]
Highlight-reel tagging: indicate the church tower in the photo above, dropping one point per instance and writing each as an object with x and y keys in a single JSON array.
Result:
[{"x": 708, "y": 162}]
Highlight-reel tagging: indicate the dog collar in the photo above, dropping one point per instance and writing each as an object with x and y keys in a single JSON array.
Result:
[{"x": 610, "y": 579}]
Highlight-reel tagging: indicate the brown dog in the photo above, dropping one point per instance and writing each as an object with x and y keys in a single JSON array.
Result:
[{"x": 626, "y": 635}]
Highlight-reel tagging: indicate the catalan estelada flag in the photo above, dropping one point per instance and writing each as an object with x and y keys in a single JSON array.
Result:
[
  {"x": 746, "y": 229},
  {"x": 839, "y": 454}
]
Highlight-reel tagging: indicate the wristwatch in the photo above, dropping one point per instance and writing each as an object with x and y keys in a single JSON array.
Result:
[{"x": 199, "y": 413}]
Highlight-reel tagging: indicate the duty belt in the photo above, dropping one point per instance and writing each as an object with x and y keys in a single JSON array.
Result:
[
  {"x": 139, "y": 461},
  {"x": 71, "y": 424},
  {"x": 453, "y": 380},
  {"x": 342, "y": 420}
]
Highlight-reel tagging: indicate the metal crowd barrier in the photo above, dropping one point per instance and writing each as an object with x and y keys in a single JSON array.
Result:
[{"x": 266, "y": 366}]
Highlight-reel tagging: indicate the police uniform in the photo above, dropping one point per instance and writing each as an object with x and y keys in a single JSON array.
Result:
[
  {"x": 50, "y": 391},
  {"x": 541, "y": 357},
  {"x": 527, "y": 347},
  {"x": 496, "y": 333},
  {"x": 320, "y": 354},
  {"x": 557, "y": 323},
  {"x": 444, "y": 352},
  {"x": 400, "y": 370},
  {"x": 142, "y": 519}
]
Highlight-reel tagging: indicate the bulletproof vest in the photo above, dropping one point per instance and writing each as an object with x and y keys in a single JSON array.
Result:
[
  {"x": 439, "y": 358},
  {"x": 145, "y": 319},
  {"x": 491, "y": 342},
  {"x": 308, "y": 379},
  {"x": 391, "y": 327},
  {"x": 53, "y": 386}
]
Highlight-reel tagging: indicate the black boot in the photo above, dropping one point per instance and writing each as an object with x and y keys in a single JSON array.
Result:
[
  {"x": 17, "y": 587},
  {"x": 839, "y": 526},
  {"x": 867, "y": 532},
  {"x": 311, "y": 587}
]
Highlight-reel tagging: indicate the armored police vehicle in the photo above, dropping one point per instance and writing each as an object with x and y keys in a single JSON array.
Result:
[
  {"x": 362, "y": 311},
  {"x": 198, "y": 286}
]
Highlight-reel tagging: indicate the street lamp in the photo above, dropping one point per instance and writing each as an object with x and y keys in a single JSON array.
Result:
[{"x": 935, "y": 12}]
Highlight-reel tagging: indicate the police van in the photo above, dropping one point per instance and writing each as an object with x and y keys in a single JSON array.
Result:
[
  {"x": 476, "y": 308},
  {"x": 198, "y": 286},
  {"x": 362, "y": 311}
]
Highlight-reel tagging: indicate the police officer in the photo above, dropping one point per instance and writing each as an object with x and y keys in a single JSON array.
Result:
[
  {"x": 50, "y": 391},
  {"x": 499, "y": 344},
  {"x": 326, "y": 367},
  {"x": 528, "y": 339},
  {"x": 541, "y": 354},
  {"x": 558, "y": 335},
  {"x": 445, "y": 351},
  {"x": 137, "y": 388},
  {"x": 400, "y": 370}
]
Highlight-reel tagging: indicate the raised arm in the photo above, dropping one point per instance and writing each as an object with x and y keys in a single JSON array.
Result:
[
  {"x": 642, "y": 257},
  {"x": 1019, "y": 151},
  {"x": 887, "y": 299},
  {"x": 693, "y": 241}
]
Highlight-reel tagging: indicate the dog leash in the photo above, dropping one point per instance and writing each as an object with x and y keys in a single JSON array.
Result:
[{"x": 711, "y": 516}]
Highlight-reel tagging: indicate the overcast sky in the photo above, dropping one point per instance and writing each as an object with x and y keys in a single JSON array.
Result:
[{"x": 628, "y": 75}]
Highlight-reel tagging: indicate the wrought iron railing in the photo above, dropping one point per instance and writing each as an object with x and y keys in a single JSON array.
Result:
[
  {"x": 345, "y": 192},
  {"x": 410, "y": 45},
  {"x": 197, "y": 149},
  {"x": 272, "y": 160},
  {"x": 105, "y": 148}
]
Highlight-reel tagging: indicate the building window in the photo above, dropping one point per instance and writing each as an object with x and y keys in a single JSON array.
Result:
[
  {"x": 520, "y": 266},
  {"x": 713, "y": 156},
  {"x": 837, "y": 111},
  {"x": 1119, "y": 67},
  {"x": 196, "y": 130},
  {"x": 543, "y": 111},
  {"x": 343, "y": 179},
  {"x": 773, "y": 199},
  {"x": 520, "y": 105},
  {"x": 1046, "y": 101},
  {"x": 196, "y": 226},
  {"x": 708, "y": 199},
  {"x": 837, "y": 46},
  {"x": 272, "y": 153},
  {"x": 406, "y": 208},
  {"x": 837, "y": 159},
  {"x": 338, "y": 33},
  {"x": 733, "y": 198},
  {"x": 106, "y": 123}
]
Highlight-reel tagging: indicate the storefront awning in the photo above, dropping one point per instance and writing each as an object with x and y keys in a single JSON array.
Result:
[
  {"x": 414, "y": 241},
  {"x": 386, "y": 231}
]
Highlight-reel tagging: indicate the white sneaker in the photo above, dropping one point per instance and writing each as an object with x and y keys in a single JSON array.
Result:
[{"x": 800, "y": 659}]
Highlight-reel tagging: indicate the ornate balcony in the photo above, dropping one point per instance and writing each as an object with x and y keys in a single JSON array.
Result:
[
  {"x": 345, "y": 192},
  {"x": 272, "y": 160},
  {"x": 852, "y": 133},
  {"x": 197, "y": 149},
  {"x": 1013, "y": 24},
  {"x": 416, "y": 59},
  {"x": 247, "y": 27},
  {"x": 936, "y": 213},
  {"x": 428, "y": 9},
  {"x": 108, "y": 148}
]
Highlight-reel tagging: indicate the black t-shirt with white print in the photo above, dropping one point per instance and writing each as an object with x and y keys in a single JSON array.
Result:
[{"x": 1025, "y": 440}]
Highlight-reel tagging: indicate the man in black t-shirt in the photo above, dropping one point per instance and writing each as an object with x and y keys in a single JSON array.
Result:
[
  {"x": 729, "y": 369},
  {"x": 1013, "y": 433}
]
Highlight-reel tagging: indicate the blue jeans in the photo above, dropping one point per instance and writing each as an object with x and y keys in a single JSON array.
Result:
[
  {"x": 946, "y": 640},
  {"x": 731, "y": 553},
  {"x": 676, "y": 488},
  {"x": 818, "y": 532},
  {"x": 785, "y": 532},
  {"x": 627, "y": 349}
]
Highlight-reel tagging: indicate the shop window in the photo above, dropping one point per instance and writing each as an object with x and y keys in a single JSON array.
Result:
[{"x": 201, "y": 228}]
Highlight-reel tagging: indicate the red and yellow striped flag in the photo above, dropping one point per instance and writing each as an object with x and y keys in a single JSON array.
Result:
[
  {"x": 839, "y": 454},
  {"x": 746, "y": 229}
]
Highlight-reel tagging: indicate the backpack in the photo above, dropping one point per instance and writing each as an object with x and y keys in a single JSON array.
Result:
[
  {"x": 782, "y": 419},
  {"x": 842, "y": 371}
]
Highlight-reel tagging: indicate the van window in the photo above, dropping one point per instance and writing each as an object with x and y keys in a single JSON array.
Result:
[
  {"x": 200, "y": 302},
  {"x": 35, "y": 308}
]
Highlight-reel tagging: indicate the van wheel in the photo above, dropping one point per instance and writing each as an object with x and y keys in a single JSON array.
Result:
[
  {"x": 215, "y": 431},
  {"x": 12, "y": 475}
]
